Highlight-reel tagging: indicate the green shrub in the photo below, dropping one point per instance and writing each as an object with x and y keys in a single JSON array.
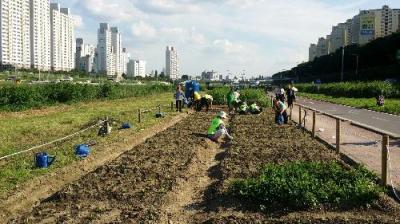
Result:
[
  {"x": 21, "y": 97},
  {"x": 353, "y": 89},
  {"x": 258, "y": 95},
  {"x": 299, "y": 185}
]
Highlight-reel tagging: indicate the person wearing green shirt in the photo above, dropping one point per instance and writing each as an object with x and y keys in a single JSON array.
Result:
[
  {"x": 243, "y": 108},
  {"x": 217, "y": 128},
  {"x": 231, "y": 99},
  {"x": 254, "y": 108}
]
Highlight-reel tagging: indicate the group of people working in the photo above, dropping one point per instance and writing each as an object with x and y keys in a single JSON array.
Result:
[
  {"x": 196, "y": 101},
  {"x": 237, "y": 105},
  {"x": 280, "y": 107}
]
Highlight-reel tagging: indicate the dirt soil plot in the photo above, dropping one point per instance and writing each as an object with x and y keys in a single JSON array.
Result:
[
  {"x": 179, "y": 176},
  {"x": 129, "y": 189},
  {"x": 259, "y": 141}
]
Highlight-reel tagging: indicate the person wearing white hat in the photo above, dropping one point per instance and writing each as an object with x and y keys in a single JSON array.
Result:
[
  {"x": 280, "y": 95},
  {"x": 217, "y": 128}
]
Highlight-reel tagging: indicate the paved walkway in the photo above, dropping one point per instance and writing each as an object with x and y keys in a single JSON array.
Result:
[
  {"x": 386, "y": 122},
  {"x": 359, "y": 144}
]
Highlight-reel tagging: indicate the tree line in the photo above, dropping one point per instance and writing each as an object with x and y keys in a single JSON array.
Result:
[{"x": 377, "y": 60}]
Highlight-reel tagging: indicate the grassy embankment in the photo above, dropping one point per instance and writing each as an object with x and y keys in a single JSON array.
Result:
[
  {"x": 359, "y": 95},
  {"x": 22, "y": 130}
]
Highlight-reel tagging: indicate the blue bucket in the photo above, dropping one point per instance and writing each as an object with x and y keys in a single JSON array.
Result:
[
  {"x": 43, "y": 160},
  {"x": 82, "y": 150},
  {"x": 126, "y": 126}
]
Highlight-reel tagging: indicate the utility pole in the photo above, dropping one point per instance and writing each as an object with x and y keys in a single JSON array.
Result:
[
  {"x": 356, "y": 65},
  {"x": 342, "y": 73}
]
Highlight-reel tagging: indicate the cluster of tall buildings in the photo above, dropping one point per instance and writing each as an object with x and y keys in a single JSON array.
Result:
[
  {"x": 36, "y": 34},
  {"x": 109, "y": 56},
  {"x": 361, "y": 29}
]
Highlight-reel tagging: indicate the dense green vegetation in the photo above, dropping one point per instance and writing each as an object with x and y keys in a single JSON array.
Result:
[
  {"x": 353, "y": 89},
  {"x": 377, "y": 61},
  {"x": 299, "y": 185},
  {"x": 392, "y": 106},
  {"x": 258, "y": 95},
  {"x": 20, "y": 97}
]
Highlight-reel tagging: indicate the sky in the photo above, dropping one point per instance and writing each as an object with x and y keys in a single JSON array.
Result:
[{"x": 255, "y": 37}]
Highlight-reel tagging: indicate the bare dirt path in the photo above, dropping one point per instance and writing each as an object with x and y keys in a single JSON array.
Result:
[{"x": 185, "y": 199}]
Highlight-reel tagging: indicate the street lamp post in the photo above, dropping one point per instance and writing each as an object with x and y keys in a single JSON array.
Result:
[
  {"x": 342, "y": 72},
  {"x": 357, "y": 60}
]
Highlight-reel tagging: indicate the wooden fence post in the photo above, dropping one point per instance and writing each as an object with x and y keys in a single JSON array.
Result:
[
  {"x": 385, "y": 148},
  {"x": 314, "y": 120},
  {"x": 300, "y": 115},
  {"x": 272, "y": 101},
  {"x": 338, "y": 129},
  {"x": 172, "y": 106},
  {"x": 139, "y": 115}
]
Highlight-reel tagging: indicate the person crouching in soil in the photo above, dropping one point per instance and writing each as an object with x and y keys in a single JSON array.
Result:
[
  {"x": 217, "y": 128},
  {"x": 281, "y": 116},
  {"x": 243, "y": 108},
  {"x": 254, "y": 108},
  {"x": 179, "y": 97},
  {"x": 205, "y": 101}
]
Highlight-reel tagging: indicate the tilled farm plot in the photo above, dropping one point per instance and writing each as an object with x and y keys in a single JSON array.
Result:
[
  {"x": 259, "y": 141},
  {"x": 180, "y": 177},
  {"x": 131, "y": 188}
]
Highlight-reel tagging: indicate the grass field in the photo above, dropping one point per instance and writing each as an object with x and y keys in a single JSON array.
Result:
[
  {"x": 22, "y": 130},
  {"x": 392, "y": 106}
]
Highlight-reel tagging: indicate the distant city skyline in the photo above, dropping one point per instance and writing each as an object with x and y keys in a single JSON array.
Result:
[{"x": 260, "y": 36}]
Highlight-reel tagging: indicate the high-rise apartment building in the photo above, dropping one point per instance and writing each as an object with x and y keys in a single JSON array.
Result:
[
  {"x": 125, "y": 57},
  {"x": 323, "y": 46},
  {"x": 40, "y": 34},
  {"x": 62, "y": 48},
  {"x": 15, "y": 33},
  {"x": 116, "y": 43},
  {"x": 312, "y": 52},
  {"x": 105, "y": 56},
  {"x": 339, "y": 37},
  {"x": 172, "y": 63},
  {"x": 362, "y": 28},
  {"x": 136, "y": 68},
  {"x": 84, "y": 56}
]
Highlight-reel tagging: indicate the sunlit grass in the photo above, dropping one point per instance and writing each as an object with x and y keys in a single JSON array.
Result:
[{"x": 22, "y": 130}]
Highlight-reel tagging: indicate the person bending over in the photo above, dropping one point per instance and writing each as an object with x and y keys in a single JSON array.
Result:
[
  {"x": 280, "y": 112},
  {"x": 217, "y": 128}
]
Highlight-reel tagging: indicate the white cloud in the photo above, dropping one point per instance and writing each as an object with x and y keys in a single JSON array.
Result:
[
  {"x": 167, "y": 7},
  {"x": 143, "y": 31},
  {"x": 78, "y": 22},
  {"x": 115, "y": 10},
  {"x": 227, "y": 46}
]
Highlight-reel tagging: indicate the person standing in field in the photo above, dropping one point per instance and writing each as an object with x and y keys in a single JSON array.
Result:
[
  {"x": 291, "y": 96},
  {"x": 230, "y": 98},
  {"x": 179, "y": 97}
]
